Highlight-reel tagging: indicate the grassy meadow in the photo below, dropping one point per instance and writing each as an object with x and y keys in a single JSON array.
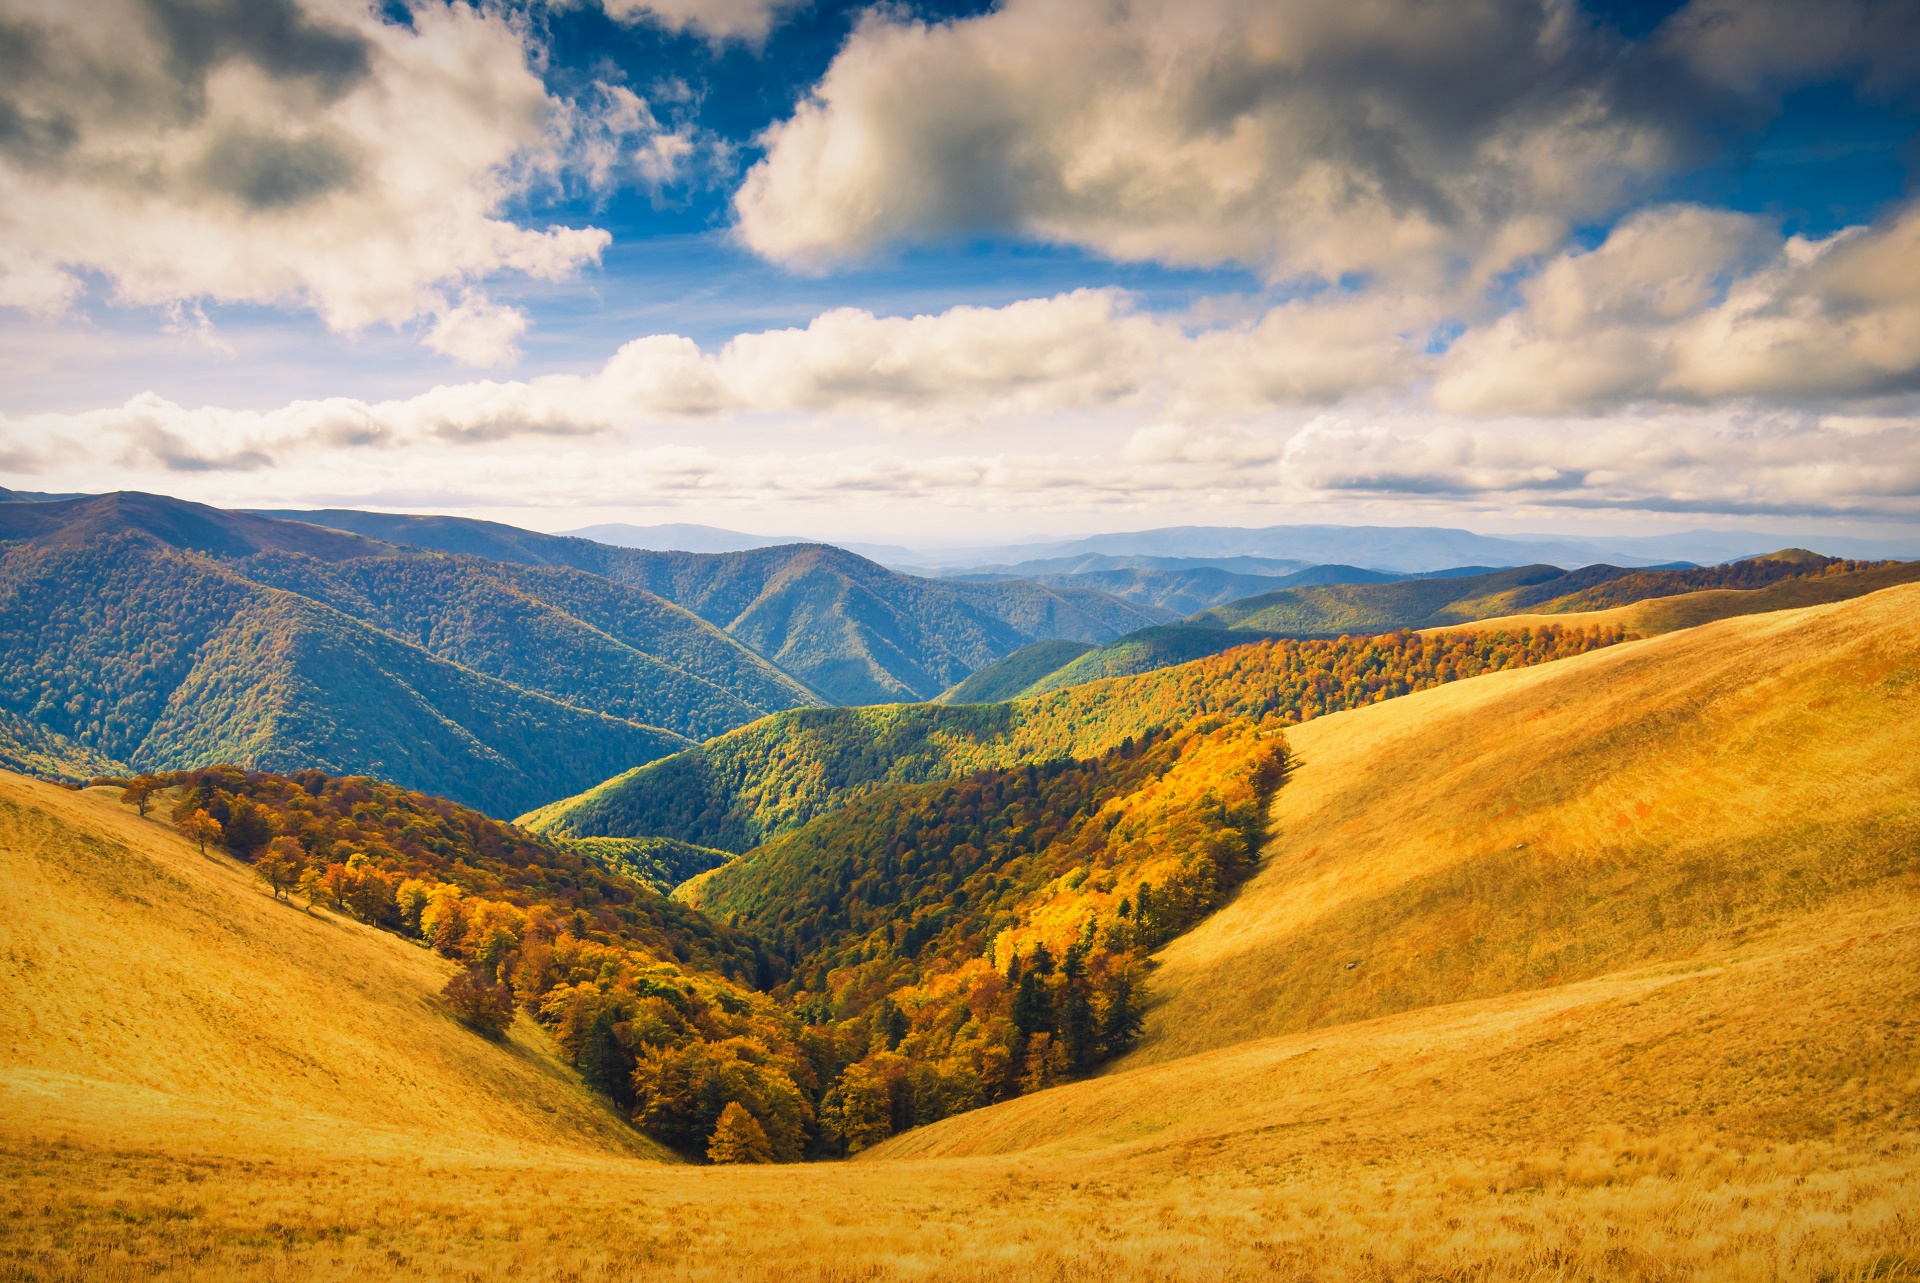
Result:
[{"x": 1634, "y": 993}]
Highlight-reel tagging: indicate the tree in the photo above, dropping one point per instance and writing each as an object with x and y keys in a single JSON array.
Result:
[
  {"x": 140, "y": 790},
  {"x": 737, "y": 1138},
  {"x": 198, "y": 826},
  {"x": 249, "y": 826},
  {"x": 313, "y": 885},
  {"x": 279, "y": 866},
  {"x": 482, "y": 1002},
  {"x": 859, "y": 1109}
]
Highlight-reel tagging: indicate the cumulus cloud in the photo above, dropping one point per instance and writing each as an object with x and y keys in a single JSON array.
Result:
[
  {"x": 1683, "y": 304},
  {"x": 1386, "y": 136},
  {"x": 718, "y": 20},
  {"x": 478, "y": 332},
  {"x": 299, "y": 152}
]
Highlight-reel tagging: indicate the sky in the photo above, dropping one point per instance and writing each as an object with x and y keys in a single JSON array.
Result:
[{"x": 959, "y": 273}]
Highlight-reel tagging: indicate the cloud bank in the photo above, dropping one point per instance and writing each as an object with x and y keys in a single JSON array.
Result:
[
  {"x": 1083, "y": 400},
  {"x": 266, "y": 151}
]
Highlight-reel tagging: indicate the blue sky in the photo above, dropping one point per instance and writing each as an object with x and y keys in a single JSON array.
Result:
[{"x": 1617, "y": 287}]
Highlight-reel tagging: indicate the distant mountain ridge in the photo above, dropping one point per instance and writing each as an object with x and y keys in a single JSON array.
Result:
[
  {"x": 1402, "y": 548},
  {"x": 1420, "y": 602},
  {"x": 849, "y": 628}
]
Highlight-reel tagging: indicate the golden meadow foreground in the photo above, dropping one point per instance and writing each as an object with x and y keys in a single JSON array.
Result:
[{"x": 1607, "y": 968}]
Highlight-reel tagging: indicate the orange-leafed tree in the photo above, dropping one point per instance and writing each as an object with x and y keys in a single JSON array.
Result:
[
  {"x": 279, "y": 865},
  {"x": 140, "y": 790},
  {"x": 198, "y": 826},
  {"x": 737, "y": 1138}
]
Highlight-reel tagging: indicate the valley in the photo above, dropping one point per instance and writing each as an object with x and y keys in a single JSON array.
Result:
[{"x": 1597, "y": 966}]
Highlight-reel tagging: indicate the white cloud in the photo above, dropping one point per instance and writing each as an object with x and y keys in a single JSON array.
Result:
[
  {"x": 1682, "y": 304},
  {"x": 276, "y": 152},
  {"x": 1383, "y": 136},
  {"x": 478, "y": 332},
  {"x": 718, "y": 20}
]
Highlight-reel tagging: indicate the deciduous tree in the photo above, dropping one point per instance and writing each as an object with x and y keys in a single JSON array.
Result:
[
  {"x": 279, "y": 865},
  {"x": 737, "y": 1138},
  {"x": 482, "y": 1002},
  {"x": 140, "y": 790},
  {"x": 198, "y": 826}
]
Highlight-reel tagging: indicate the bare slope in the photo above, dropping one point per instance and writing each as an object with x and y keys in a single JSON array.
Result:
[{"x": 152, "y": 995}]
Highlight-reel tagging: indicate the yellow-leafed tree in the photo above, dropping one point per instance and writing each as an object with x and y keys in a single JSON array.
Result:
[{"x": 737, "y": 1138}]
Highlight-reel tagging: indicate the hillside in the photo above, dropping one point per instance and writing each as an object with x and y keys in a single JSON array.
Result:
[
  {"x": 660, "y": 863},
  {"x": 1684, "y": 866},
  {"x": 32, "y": 749},
  {"x": 222, "y": 669},
  {"x": 571, "y": 636},
  {"x": 848, "y": 628},
  {"x": 1653, "y": 801},
  {"x": 154, "y": 992},
  {"x": 1191, "y": 589},
  {"x": 975, "y": 940},
  {"x": 1004, "y": 679},
  {"x": 1331, "y": 609},
  {"x": 769, "y": 778}
]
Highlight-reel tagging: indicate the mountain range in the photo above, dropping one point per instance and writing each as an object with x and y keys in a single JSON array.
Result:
[
  {"x": 850, "y": 629},
  {"x": 496, "y": 666}
]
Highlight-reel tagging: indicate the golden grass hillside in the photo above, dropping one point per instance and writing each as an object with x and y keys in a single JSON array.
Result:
[
  {"x": 151, "y": 993},
  {"x": 1660, "y": 799},
  {"x": 1689, "y": 610},
  {"x": 1525, "y": 1076}
]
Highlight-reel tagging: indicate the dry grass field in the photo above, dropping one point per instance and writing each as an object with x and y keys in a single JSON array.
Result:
[{"x": 1635, "y": 994}]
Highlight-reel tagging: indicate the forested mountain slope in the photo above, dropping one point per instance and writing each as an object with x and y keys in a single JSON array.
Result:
[
  {"x": 1005, "y": 679},
  {"x": 769, "y": 778},
  {"x": 162, "y": 633},
  {"x": 162, "y": 658},
  {"x": 847, "y": 627},
  {"x": 572, "y": 636},
  {"x": 1328, "y": 610},
  {"x": 1188, "y": 590}
]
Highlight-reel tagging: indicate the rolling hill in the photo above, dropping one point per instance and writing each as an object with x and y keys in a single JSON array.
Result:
[
  {"x": 1004, "y": 679},
  {"x": 850, "y": 629},
  {"x": 750, "y": 785},
  {"x": 1707, "y": 823},
  {"x": 1184, "y": 587},
  {"x": 156, "y": 993}
]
